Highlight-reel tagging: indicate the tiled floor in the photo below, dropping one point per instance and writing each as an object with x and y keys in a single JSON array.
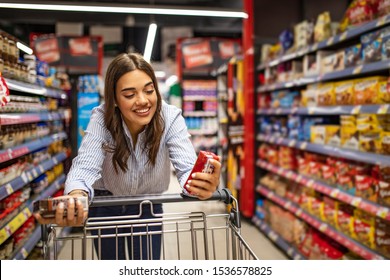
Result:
[{"x": 262, "y": 247}]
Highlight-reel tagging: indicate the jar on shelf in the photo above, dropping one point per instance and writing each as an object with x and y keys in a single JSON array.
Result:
[
  {"x": 6, "y": 69},
  {"x": 1, "y": 45},
  {"x": 5, "y": 48},
  {"x": 12, "y": 51},
  {"x": 1, "y": 65}
]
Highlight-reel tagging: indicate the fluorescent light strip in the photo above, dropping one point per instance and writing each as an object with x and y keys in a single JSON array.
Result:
[
  {"x": 24, "y": 48},
  {"x": 150, "y": 41},
  {"x": 126, "y": 10}
]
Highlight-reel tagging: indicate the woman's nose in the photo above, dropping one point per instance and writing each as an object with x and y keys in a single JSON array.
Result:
[{"x": 141, "y": 100}]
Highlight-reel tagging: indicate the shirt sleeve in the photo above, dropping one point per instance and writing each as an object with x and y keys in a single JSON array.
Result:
[
  {"x": 87, "y": 165},
  {"x": 181, "y": 151}
]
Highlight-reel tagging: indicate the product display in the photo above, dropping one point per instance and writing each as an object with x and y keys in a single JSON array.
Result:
[
  {"x": 323, "y": 140},
  {"x": 33, "y": 125}
]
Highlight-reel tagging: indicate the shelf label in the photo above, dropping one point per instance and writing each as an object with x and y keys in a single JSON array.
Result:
[
  {"x": 356, "y": 110},
  {"x": 292, "y": 143},
  {"x": 334, "y": 193},
  {"x": 314, "y": 47},
  {"x": 343, "y": 35},
  {"x": 383, "y": 109},
  {"x": 356, "y": 201},
  {"x": 357, "y": 70},
  {"x": 55, "y": 161},
  {"x": 8, "y": 188},
  {"x": 330, "y": 41},
  {"x": 278, "y": 111},
  {"x": 298, "y": 212},
  {"x": 24, "y": 177},
  {"x": 290, "y": 251},
  {"x": 41, "y": 168},
  {"x": 382, "y": 212},
  {"x": 323, "y": 227},
  {"x": 270, "y": 195},
  {"x": 273, "y": 236},
  {"x": 30, "y": 178},
  {"x": 24, "y": 252},
  {"x": 310, "y": 183},
  {"x": 381, "y": 21},
  {"x": 35, "y": 173},
  {"x": 303, "y": 146},
  {"x": 311, "y": 110},
  {"x": 287, "y": 205}
]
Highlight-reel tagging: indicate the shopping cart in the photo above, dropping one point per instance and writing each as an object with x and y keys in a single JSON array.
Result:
[{"x": 187, "y": 235}]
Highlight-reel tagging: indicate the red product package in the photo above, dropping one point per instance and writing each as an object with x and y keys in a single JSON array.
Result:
[{"x": 202, "y": 164}]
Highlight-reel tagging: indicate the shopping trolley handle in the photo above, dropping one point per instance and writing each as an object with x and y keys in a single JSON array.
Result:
[{"x": 101, "y": 201}]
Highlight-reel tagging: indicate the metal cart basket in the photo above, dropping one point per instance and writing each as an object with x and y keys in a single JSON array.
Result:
[{"x": 185, "y": 235}]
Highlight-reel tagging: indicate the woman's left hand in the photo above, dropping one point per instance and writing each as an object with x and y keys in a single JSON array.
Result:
[{"x": 203, "y": 185}]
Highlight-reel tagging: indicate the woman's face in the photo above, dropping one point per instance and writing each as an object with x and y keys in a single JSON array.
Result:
[{"x": 136, "y": 98}]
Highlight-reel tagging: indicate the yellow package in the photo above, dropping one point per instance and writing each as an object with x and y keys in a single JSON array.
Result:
[
  {"x": 326, "y": 95},
  {"x": 345, "y": 218},
  {"x": 344, "y": 92},
  {"x": 309, "y": 97},
  {"x": 325, "y": 134},
  {"x": 385, "y": 143},
  {"x": 366, "y": 90},
  {"x": 364, "y": 228},
  {"x": 383, "y": 93},
  {"x": 349, "y": 137},
  {"x": 370, "y": 142}
]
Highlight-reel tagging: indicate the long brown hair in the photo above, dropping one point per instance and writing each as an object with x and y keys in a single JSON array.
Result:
[{"x": 121, "y": 65}]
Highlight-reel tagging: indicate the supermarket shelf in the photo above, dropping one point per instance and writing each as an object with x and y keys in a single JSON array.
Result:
[
  {"x": 7, "y": 230},
  {"x": 328, "y": 110},
  {"x": 355, "y": 155},
  {"x": 290, "y": 250},
  {"x": 17, "y": 118},
  {"x": 325, "y": 228},
  {"x": 29, "y": 147},
  {"x": 347, "y": 35},
  {"x": 358, "y": 202},
  {"x": 28, "y": 246},
  {"x": 200, "y": 114},
  {"x": 29, "y": 175},
  {"x": 199, "y": 98},
  {"x": 35, "y": 89},
  {"x": 202, "y": 132},
  {"x": 342, "y": 74}
]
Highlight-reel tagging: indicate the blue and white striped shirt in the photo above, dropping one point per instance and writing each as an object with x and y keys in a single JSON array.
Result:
[{"x": 93, "y": 168}]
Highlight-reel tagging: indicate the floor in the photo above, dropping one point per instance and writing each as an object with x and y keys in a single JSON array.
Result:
[{"x": 261, "y": 246}]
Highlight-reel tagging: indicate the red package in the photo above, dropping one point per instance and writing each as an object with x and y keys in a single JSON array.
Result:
[{"x": 202, "y": 164}]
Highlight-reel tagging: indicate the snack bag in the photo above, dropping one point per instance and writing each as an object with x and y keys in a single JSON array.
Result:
[{"x": 202, "y": 164}]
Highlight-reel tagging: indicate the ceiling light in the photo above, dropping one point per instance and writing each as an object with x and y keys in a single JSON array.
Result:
[
  {"x": 24, "y": 48},
  {"x": 134, "y": 9},
  {"x": 150, "y": 41}
]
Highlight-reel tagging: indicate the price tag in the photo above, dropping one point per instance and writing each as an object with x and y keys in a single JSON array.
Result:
[
  {"x": 272, "y": 140},
  {"x": 273, "y": 236},
  {"x": 298, "y": 178},
  {"x": 311, "y": 110},
  {"x": 278, "y": 111},
  {"x": 323, "y": 227},
  {"x": 270, "y": 195},
  {"x": 24, "y": 177},
  {"x": 356, "y": 110},
  {"x": 382, "y": 212},
  {"x": 35, "y": 173},
  {"x": 55, "y": 161},
  {"x": 292, "y": 143},
  {"x": 298, "y": 212},
  {"x": 334, "y": 193},
  {"x": 310, "y": 183},
  {"x": 287, "y": 205},
  {"x": 303, "y": 146},
  {"x": 41, "y": 169},
  {"x": 290, "y": 251},
  {"x": 357, "y": 70},
  {"x": 24, "y": 252},
  {"x": 383, "y": 109},
  {"x": 330, "y": 41},
  {"x": 9, "y": 189},
  {"x": 29, "y": 176},
  {"x": 356, "y": 201},
  {"x": 343, "y": 36},
  {"x": 314, "y": 47},
  {"x": 381, "y": 21}
]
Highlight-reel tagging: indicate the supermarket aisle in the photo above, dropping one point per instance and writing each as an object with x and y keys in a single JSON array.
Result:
[{"x": 262, "y": 247}]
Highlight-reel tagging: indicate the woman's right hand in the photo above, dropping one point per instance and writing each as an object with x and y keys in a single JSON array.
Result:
[{"x": 72, "y": 217}]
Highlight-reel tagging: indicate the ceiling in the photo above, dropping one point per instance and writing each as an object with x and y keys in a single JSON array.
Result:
[{"x": 21, "y": 22}]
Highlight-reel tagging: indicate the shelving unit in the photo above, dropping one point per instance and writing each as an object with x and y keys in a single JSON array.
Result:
[
  {"x": 379, "y": 211},
  {"x": 25, "y": 115}
]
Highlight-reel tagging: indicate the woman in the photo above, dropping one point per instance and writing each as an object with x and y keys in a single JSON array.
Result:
[{"x": 128, "y": 148}]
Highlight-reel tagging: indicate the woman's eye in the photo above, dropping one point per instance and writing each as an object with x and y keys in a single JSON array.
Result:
[
  {"x": 129, "y": 96},
  {"x": 150, "y": 91}
]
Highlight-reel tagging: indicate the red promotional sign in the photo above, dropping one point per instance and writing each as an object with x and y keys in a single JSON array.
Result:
[
  {"x": 197, "y": 54},
  {"x": 226, "y": 49},
  {"x": 47, "y": 50},
  {"x": 4, "y": 92},
  {"x": 80, "y": 46}
]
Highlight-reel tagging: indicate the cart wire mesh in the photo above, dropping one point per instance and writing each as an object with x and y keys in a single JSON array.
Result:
[{"x": 184, "y": 236}]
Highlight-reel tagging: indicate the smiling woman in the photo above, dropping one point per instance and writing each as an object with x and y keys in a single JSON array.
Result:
[{"x": 128, "y": 149}]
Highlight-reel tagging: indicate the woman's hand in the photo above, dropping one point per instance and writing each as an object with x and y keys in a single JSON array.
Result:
[
  {"x": 203, "y": 185},
  {"x": 72, "y": 217}
]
